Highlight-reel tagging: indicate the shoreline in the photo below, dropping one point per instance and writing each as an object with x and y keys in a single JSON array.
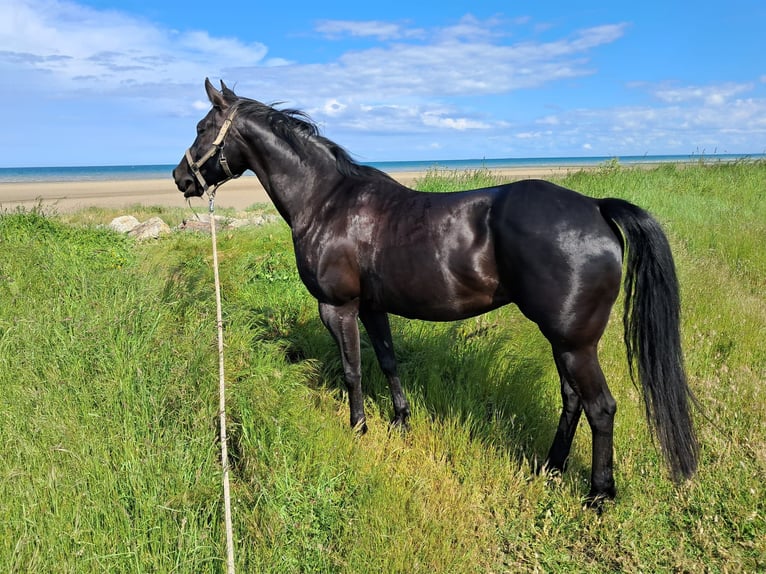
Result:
[{"x": 67, "y": 196}]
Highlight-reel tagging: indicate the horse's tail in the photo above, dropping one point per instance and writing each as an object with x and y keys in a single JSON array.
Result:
[{"x": 652, "y": 332}]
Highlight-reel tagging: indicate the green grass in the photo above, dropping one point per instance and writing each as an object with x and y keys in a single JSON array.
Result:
[
  {"x": 108, "y": 427},
  {"x": 439, "y": 180}
]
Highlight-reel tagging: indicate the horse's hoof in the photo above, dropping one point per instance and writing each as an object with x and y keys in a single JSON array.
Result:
[
  {"x": 595, "y": 500},
  {"x": 360, "y": 428},
  {"x": 400, "y": 424},
  {"x": 549, "y": 469}
]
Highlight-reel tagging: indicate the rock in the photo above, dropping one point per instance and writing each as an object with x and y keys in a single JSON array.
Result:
[
  {"x": 263, "y": 219},
  {"x": 150, "y": 229},
  {"x": 155, "y": 227},
  {"x": 202, "y": 223},
  {"x": 194, "y": 225},
  {"x": 124, "y": 223},
  {"x": 222, "y": 222},
  {"x": 237, "y": 223}
]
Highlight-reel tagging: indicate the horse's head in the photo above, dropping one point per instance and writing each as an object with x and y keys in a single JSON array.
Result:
[{"x": 205, "y": 165}]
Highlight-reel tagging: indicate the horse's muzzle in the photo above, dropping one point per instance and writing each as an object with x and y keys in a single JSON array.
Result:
[
  {"x": 192, "y": 190},
  {"x": 186, "y": 184}
]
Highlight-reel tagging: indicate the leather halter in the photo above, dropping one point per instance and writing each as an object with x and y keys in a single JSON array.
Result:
[{"x": 216, "y": 147}]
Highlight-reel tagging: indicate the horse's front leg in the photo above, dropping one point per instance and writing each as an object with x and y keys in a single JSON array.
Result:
[
  {"x": 379, "y": 330},
  {"x": 341, "y": 321}
]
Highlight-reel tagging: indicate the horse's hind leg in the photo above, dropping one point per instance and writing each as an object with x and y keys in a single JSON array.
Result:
[
  {"x": 570, "y": 417},
  {"x": 379, "y": 330},
  {"x": 582, "y": 371},
  {"x": 341, "y": 321}
]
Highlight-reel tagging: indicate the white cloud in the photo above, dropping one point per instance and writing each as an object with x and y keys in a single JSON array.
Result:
[
  {"x": 471, "y": 28},
  {"x": 274, "y": 62},
  {"x": 441, "y": 67},
  {"x": 78, "y": 47},
  {"x": 710, "y": 95},
  {"x": 69, "y": 49},
  {"x": 549, "y": 121},
  {"x": 689, "y": 121},
  {"x": 333, "y": 107},
  {"x": 439, "y": 120},
  {"x": 396, "y": 119},
  {"x": 412, "y": 85},
  {"x": 365, "y": 29},
  {"x": 222, "y": 48}
]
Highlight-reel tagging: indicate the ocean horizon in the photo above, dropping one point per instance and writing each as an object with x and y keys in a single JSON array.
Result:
[{"x": 159, "y": 171}]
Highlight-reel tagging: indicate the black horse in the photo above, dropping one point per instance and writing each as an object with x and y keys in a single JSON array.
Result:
[{"x": 366, "y": 246}]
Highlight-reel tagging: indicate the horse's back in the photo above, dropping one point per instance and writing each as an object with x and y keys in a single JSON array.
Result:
[{"x": 534, "y": 203}]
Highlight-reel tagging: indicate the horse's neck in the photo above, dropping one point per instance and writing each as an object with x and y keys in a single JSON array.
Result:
[{"x": 294, "y": 184}]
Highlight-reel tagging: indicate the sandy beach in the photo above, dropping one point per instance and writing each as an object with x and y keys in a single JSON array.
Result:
[{"x": 62, "y": 197}]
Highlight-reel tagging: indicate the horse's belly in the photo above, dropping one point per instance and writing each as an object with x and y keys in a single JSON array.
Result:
[{"x": 436, "y": 296}]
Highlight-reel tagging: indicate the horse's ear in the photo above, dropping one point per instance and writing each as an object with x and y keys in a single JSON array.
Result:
[
  {"x": 227, "y": 93},
  {"x": 216, "y": 97}
]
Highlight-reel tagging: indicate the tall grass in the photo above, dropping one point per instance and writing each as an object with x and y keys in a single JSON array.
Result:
[
  {"x": 441, "y": 180},
  {"x": 109, "y": 435}
]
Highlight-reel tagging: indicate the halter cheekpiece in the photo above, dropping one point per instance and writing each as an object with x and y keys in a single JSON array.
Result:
[{"x": 216, "y": 147}]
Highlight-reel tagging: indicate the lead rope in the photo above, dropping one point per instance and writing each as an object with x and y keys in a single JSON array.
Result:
[{"x": 222, "y": 397}]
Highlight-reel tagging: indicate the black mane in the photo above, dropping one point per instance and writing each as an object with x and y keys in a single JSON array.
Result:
[{"x": 296, "y": 128}]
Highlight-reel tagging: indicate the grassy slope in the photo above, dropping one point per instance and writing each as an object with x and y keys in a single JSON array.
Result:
[{"x": 108, "y": 427}]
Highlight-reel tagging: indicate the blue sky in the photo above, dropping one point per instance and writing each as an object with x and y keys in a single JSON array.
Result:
[{"x": 105, "y": 82}]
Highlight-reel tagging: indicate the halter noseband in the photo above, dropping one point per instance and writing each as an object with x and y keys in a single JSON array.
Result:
[{"x": 216, "y": 147}]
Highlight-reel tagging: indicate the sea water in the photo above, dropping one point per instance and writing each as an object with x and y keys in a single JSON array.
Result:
[{"x": 161, "y": 171}]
